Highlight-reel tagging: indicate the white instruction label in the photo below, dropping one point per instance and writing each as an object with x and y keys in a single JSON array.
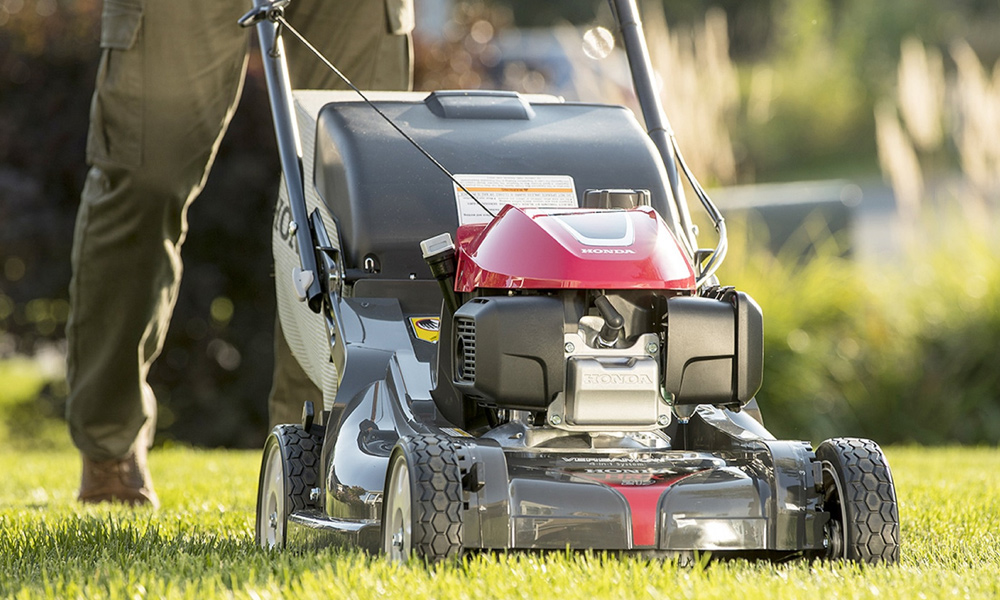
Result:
[{"x": 522, "y": 191}]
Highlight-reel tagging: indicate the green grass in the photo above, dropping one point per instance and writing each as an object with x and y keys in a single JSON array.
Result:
[{"x": 199, "y": 545}]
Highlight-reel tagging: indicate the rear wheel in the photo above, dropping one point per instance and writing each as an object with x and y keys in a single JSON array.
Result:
[
  {"x": 288, "y": 473},
  {"x": 422, "y": 506},
  {"x": 860, "y": 496}
]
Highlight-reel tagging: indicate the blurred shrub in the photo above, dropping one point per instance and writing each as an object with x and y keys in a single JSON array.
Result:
[
  {"x": 30, "y": 402},
  {"x": 902, "y": 351},
  {"x": 48, "y": 56}
]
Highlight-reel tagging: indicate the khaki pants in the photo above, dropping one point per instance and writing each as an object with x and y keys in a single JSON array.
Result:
[{"x": 170, "y": 78}]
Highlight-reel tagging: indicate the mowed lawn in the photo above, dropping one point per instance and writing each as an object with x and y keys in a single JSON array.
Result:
[{"x": 200, "y": 544}]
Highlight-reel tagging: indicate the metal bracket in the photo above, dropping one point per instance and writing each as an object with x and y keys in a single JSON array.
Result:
[{"x": 272, "y": 11}]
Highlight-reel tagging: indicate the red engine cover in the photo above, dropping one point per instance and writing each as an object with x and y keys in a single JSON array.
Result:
[{"x": 573, "y": 248}]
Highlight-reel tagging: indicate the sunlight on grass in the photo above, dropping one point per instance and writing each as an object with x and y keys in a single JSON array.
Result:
[{"x": 200, "y": 544}]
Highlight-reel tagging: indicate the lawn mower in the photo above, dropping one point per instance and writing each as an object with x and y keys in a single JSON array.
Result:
[{"x": 520, "y": 343}]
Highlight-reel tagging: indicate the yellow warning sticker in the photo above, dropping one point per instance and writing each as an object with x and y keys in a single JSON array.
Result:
[
  {"x": 455, "y": 432},
  {"x": 426, "y": 328}
]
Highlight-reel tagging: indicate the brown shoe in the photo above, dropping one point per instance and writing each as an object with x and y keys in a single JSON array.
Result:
[{"x": 125, "y": 480}]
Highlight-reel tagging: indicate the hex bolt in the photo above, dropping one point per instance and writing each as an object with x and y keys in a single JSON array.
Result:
[
  {"x": 651, "y": 348},
  {"x": 293, "y": 228},
  {"x": 555, "y": 419},
  {"x": 273, "y": 520},
  {"x": 663, "y": 420},
  {"x": 569, "y": 347}
]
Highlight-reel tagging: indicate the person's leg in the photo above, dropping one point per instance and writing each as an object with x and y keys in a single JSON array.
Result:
[
  {"x": 291, "y": 388},
  {"x": 168, "y": 83},
  {"x": 368, "y": 40}
]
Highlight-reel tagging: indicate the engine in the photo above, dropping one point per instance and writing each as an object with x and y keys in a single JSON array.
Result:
[{"x": 588, "y": 319}]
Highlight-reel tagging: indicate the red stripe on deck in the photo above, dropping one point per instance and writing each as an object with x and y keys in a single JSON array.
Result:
[{"x": 643, "y": 501}]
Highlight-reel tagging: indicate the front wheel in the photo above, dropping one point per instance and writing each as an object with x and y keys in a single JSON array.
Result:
[
  {"x": 288, "y": 474},
  {"x": 422, "y": 506},
  {"x": 860, "y": 496}
]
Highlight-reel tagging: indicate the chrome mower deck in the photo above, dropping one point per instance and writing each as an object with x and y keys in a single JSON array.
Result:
[{"x": 525, "y": 488}]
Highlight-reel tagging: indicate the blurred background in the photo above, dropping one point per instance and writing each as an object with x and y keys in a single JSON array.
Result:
[{"x": 854, "y": 147}]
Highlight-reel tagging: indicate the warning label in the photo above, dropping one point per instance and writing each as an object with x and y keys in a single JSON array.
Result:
[
  {"x": 522, "y": 191},
  {"x": 426, "y": 328}
]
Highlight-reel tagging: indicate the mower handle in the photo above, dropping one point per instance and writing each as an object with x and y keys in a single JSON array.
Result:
[
  {"x": 657, "y": 125},
  {"x": 266, "y": 15},
  {"x": 658, "y": 128}
]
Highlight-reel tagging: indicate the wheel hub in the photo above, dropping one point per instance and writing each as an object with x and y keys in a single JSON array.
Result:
[
  {"x": 396, "y": 540},
  {"x": 270, "y": 528},
  {"x": 834, "y": 541},
  {"x": 833, "y": 502}
]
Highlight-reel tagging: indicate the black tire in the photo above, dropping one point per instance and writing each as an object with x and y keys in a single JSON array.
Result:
[
  {"x": 289, "y": 471},
  {"x": 422, "y": 503},
  {"x": 860, "y": 496}
]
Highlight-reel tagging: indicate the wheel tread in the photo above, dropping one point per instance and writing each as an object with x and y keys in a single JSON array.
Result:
[
  {"x": 301, "y": 455},
  {"x": 437, "y": 517},
  {"x": 872, "y": 513}
]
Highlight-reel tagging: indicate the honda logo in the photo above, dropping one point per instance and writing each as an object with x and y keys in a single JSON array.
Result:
[
  {"x": 606, "y": 251},
  {"x": 617, "y": 379}
]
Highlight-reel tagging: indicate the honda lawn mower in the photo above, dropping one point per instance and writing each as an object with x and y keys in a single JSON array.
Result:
[{"x": 521, "y": 344}]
